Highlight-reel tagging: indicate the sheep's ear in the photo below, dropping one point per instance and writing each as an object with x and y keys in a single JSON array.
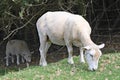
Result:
[
  {"x": 87, "y": 48},
  {"x": 101, "y": 46}
]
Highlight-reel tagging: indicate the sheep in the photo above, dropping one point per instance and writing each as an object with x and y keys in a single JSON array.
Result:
[
  {"x": 18, "y": 48},
  {"x": 64, "y": 28}
]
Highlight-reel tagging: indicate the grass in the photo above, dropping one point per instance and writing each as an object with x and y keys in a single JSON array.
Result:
[{"x": 109, "y": 69}]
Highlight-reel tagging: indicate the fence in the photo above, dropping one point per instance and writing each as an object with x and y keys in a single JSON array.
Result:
[{"x": 104, "y": 17}]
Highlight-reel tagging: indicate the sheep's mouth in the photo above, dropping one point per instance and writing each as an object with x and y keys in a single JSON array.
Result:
[{"x": 27, "y": 64}]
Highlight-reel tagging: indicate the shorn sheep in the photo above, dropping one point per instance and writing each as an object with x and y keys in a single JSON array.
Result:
[
  {"x": 18, "y": 48},
  {"x": 64, "y": 28}
]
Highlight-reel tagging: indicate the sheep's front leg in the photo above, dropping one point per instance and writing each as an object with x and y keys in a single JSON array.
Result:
[
  {"x": 70, "y": 52},
  {"x": 18, "y": 62},
  {"x": 81, "y": 56},
  {"x": 12, "y": 58},
  {"x": 23, "y": 61}
]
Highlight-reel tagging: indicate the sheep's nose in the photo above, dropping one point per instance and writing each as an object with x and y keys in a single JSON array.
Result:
[{"x": 93, "y": 69}]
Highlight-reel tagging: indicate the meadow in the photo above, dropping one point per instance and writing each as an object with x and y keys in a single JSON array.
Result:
[{"x": 109, "y": 69}]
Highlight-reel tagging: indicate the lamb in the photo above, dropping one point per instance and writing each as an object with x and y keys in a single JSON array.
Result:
[
  {"x": 64, "y": 28},
  {"x": 18, "y": 48}
]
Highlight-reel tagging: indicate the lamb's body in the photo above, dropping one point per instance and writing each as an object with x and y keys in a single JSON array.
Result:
[
  {"x": 63, "y": 28},
  {"x": 18, "y": 48}
]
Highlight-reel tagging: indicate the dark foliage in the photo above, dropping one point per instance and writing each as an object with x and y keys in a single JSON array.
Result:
[{"x": 18, "y": 18}]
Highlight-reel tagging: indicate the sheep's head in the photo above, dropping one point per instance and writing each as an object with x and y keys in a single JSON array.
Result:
[
  {"x": 27, "y": 56},
  {"x": 92, "y": 56}
]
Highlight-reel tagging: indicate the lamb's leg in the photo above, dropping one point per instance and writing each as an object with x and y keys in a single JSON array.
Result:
[
  {"x": 81, "y": 56},
  {"x": 70, "y": 52},
  {"x": 22, "y": 59},
  {"x": 18, "y": 62},
  {"x": 7, "y": 59},
  {"x": 12, "y": 58}
]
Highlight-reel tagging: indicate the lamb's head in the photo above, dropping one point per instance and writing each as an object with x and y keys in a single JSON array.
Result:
[
  {"x": 92, "y": 56},
  {"x": 27, "y": 56}
]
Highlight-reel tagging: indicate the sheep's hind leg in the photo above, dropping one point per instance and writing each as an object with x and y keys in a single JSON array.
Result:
[
  {"x": 7, "y": 59},
  {"x": 43, "y": 50},
  {"x": 48, "y": 44}
]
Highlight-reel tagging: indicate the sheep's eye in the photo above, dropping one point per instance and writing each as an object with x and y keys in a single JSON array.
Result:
[{"x": 91, "y": 55}]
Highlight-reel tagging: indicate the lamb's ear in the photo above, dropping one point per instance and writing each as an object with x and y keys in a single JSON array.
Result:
[
  {"x": 87, "y": 48},
  {"x": 101, "y": 45}
]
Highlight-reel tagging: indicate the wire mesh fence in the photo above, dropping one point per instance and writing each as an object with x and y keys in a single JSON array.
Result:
[{"x": 104, "y": 17}]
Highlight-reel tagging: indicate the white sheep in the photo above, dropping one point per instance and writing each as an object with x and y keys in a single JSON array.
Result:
[
  {"x": 64, "y": 28},
  {"x": 18, "y": 48}
]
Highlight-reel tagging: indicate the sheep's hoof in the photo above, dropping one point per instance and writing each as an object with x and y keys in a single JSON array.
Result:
[
  {"x": 43, "y": 64},
  {"x": 81, "y": 61},
  {"x": 70, "y": 61}
]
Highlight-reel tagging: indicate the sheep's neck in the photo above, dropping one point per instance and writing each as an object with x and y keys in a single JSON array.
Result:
[{"x": 87, "y": 41}]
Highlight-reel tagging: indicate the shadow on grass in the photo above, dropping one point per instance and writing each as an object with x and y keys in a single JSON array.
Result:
[{"x": 9, "y": 69}]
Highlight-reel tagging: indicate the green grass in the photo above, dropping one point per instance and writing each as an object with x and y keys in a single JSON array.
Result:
[{"x": 109, "y": 69}]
